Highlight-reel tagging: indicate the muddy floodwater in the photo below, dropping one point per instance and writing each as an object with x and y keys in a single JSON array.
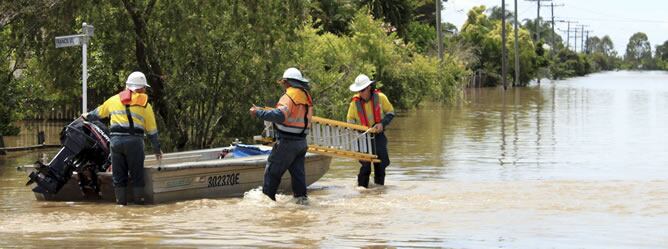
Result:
[{"x": 578, "y": 163}]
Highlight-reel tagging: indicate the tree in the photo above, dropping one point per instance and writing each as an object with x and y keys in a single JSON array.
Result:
[
  {"x": 638, "y": 51},
  {"x": 593, "y": 45},
  {"x": 398, "y": 13},
  {"x": 662, "y": 51},
  {"x": 14, "y": 39},
  {"x": 661, "y": 56},
  {"x": 484, "y": 35},
  {"x": 425, "y": 12},
  {"x": 606, "y": 46},
  {"x": 495, "y": 14},
  {"x": 332, "y": 15},
  {"x": 546, "y": 33}
]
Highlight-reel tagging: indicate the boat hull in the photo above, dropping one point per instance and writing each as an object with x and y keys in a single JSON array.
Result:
[{"x": 193, "y": 175}]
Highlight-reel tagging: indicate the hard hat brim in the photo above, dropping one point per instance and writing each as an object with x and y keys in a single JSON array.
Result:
[
  {"x": 298, "y": 79},
  {"x": 356, "y": 88},
  {"x": 135, "y": 86}
]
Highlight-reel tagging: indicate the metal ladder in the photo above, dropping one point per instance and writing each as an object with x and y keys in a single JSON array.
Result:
[{"x": 333, "y": 138}]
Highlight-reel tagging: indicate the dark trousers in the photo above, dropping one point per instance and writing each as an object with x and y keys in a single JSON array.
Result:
[
  {"x": 287, "y": 154},
  {"x": 380, "y": 149},
  {"x": 127, "y": 158}
]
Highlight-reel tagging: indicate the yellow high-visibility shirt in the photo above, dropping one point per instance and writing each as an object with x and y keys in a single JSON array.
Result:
[
  {"x": 385, "y": 108},
  {"x": 142, "y": 116}
]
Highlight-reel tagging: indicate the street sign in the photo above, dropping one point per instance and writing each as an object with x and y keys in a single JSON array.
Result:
[
  {"x": 76, "y": 40},
  {"x": 88, "y": 30},
  {"x": 68, "y": 41}
]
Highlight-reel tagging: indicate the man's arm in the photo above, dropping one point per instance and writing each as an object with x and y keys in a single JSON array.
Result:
[
  {"x": 388, "y": 109},
  {"x": 99, "y": 113},
  {"x": 273, "y": 115},
  {"x": 351, "y": 116},
  {"x": 152, "y": 131}
]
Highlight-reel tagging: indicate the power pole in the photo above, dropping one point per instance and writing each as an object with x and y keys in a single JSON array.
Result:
[
  {"x": 582, "y": 38},
  {"x": 516, "y": 82},
  {"x": 582, "y": 28},
  {"x": 504, "y": 68},
  {"x": 587, "y": 45},
  {"x": 568, "y": 32},
  {"x": 552, "y": 5},
  {"x": 438, "y": 30},
  {"x": 538, "y": 17},
  {"x": 575, "y": 40}
]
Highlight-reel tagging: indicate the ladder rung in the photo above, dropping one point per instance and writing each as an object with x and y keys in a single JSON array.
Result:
[{"x": 338, "y": 153}]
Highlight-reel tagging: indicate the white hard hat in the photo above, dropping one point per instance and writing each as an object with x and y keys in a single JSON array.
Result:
[
  {"x": 295, "y": 74},
  {"x": 136, "y": 80},
  {"x": 361, "y": 82}
]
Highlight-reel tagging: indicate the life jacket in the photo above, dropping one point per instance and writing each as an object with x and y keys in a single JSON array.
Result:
[
  {"x": 361, "y": 112},
  {"x": 126, "y": 97},
  {"x": 141, "y": 99},
  {"x": 297, "y": 107}
]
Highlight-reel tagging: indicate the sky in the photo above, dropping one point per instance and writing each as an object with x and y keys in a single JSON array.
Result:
[{"x": 619, "y": 19}]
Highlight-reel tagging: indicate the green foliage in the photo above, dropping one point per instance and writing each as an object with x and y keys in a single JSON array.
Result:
[
  {"x": 242, "y": 49},
  {"x": 398, "y": 13},
  {"x": 423, "y": 36},
  {"x": 333, "y": 15},
  {"x": 569, "y": 64},
  {"x": 406, "y": 76},
  {"x": 661, "y": 56},
  {"x": 545, "y": 30},
  {"x": 485, "y": 34},
  {"x": 661, "y": 51},
  {"x": 638, "y": 52},
  {"x": 10, "y": 61}
]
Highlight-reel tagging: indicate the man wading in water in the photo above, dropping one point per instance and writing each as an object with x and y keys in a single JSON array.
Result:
[
  {"x": 291, "y": 118},
  {"x": 371, "y": 108}
]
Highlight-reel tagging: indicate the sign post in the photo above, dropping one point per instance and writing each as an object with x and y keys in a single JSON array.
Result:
[{"x": 76, "y": 40}]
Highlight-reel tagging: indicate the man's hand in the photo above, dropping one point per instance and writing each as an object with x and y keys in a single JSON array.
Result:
[
  {"x": 253, "y": 110},
  {"x": 378, "y": 127},
  {"x": 158, "y": 156}
]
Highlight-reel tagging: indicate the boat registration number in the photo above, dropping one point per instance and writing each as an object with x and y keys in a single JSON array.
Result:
[{"x": 223, "y": 180}]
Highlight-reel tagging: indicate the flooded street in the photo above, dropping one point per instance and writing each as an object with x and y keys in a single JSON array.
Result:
[{"x": 579, "y": 163}]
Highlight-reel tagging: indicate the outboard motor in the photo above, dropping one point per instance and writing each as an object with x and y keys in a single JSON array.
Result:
[{"x": 85, "y": 150}]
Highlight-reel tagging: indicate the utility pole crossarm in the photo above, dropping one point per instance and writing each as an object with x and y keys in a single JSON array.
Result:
[
  {"x": 568, "y": 31},
  {"x": 537, "y": 23},
  {"x": 552, "y": 5}
]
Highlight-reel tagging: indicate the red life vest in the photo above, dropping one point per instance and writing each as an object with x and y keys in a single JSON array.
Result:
[{"x": 376, "y": 108}]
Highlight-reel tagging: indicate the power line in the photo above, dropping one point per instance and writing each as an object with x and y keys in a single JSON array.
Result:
[
  {"x": 552, "y": 5},
  {"x": 618, "y": 20},
  {"x": 538, "y": 17},
  {"x": 568, "y": 32},
  {"x": 582, "y": 26}
]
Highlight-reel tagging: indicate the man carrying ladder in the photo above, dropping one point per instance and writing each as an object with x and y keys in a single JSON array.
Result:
[{"x": 371, "y": 108}]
